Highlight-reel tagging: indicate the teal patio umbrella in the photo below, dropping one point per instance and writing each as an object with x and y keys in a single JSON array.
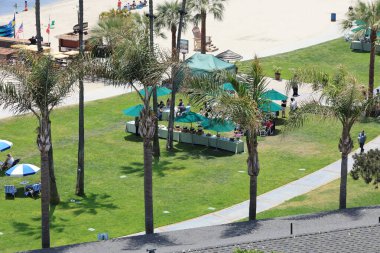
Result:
[
  {"x": 218, "y": 125},
  {"x": 270, "y": 106},
  {"x": 273, "y": 95},
  {"x": 133, "y": 111},
  {"x": 190, "y": 117},
  {"x": 161, "y": 91}
]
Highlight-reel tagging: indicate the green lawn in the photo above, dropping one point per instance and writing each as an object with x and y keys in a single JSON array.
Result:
[
  {"x": 326, "y": 56},
  {"x": 186, "y": 182},
  {"x": 326, "y": 198}
]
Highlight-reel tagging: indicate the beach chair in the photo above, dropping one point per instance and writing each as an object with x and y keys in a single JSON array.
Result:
[
  {"x": 10, "y": 190},
  {"x": 197, "y": 41},
  {"x": 36, "y": 189}
]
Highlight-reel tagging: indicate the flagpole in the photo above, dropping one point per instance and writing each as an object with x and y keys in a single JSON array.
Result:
[{"x": 49, "y": 30}]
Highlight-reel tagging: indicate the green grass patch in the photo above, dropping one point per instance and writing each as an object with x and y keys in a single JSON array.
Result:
[
  {"x": 325, "y": 56},
  {"x": 186, "y": 182},
  {"x": 326, "y": 198}
]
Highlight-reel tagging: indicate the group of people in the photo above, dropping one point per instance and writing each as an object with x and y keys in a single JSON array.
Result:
[{"x": 131, "y": 6}]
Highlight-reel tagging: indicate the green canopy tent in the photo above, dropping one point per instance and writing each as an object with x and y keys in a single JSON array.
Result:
[
  {"x": 269, "y": 106},
  {"x": 200, "y": 64},
  {"x": 273, "y": 95},
  {"x": 218, "y": 125}
]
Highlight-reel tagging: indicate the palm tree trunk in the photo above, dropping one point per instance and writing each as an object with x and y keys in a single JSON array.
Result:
[
  {"x": 156, "y": 142},
  {"x": 169, "y": 141},
  {"x": 203, "y": 31},
  {"x": 38, "y": 26},
  {"x": 146, "y": 130},
  {"x": 79, "y": 189},
  {"x": 253, "y": 171},
  {"x": 372, "y": 63},
  {"x": 148, "y": 187},
  {"x": 43, "y": 142},
  {"x": 54, "y": 195},
  {"x": 174, "y": 42},
  {"x": 345, "y": 147}
]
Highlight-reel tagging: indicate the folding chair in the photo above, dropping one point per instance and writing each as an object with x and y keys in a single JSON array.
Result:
[{"x": 11, "y": 190}]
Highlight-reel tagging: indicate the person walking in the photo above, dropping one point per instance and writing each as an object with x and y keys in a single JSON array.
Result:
[
  {"x": 361, "y": 139},
  {"x": 283, "y": 108}
]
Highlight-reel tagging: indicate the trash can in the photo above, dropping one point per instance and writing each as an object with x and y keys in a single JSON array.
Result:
[{"x": 333, "y": 17}]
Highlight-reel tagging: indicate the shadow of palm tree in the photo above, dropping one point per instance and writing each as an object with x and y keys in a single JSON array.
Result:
[
  {"x": 89, "y": 204},
  {"x": 133, "y": 138},
  {"x": 240, "y": 228}
]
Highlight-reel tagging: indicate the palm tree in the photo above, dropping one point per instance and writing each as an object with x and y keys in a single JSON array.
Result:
[
  {"x": 37, "y": 85},
  {"x": 38, "y": 26},
  {"x": 131, "y": 63},
  {"x": 168, "y": 17},
  {"x": 182, "y": 23},
  {"x": 156, "y": 142},
  {"x": 200, "y": 9},
  {"x": 341, "y": 100},
  {"x": 367, "y": 12},
  {"x": 242, "y": 108},
  {"x": 80, "y": 170}
]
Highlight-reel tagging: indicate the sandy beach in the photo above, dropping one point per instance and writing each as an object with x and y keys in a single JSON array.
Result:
[{"x": 249, "y": 27}]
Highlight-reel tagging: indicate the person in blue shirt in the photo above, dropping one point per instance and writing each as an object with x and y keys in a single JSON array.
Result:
[{"x": 361, "y": 139}]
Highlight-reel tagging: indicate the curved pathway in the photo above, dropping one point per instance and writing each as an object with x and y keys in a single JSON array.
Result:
[{"x": 270, "y": 199}]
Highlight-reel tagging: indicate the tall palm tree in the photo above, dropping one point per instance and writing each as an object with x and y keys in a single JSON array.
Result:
[
  {"x": 37, "y": 85},
  {"x": 80, "y": 170},
  {"x": 341, "y": 100},
  {"x": 156, "y": 142},
  {"x": 131, "y": 63},
  {"x": 168, "y": 17},
  {"x": 38, "y": 26},
  {"x": 242, "y": 108},
  {"x": 175, "y": 56},
  {"x": 368, "y": 14},
  {"x": 200, "y": 9}
]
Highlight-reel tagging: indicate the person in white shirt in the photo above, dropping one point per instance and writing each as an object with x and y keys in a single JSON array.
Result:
[
  {"x": 293, "y": 104},
  {"x": 8, "y": 162}
]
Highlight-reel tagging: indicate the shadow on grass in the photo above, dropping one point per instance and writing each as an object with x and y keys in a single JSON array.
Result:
[
  {"x": 133, "y": 138},
  {"x": 22, "y": 228},
  {"x": 159, "y": 168},
  {"x": 89, "y": 204},
  {"x": 197, "y": 151}
]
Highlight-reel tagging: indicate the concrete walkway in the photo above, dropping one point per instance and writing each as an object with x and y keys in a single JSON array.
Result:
[{"x": 273, "y": 198}]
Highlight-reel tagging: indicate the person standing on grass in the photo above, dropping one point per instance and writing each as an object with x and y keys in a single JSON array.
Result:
[
  {"x": 362, "y": 138},
  {"x": 293, "y": 104},
  {"x": 283, "y": 108}
]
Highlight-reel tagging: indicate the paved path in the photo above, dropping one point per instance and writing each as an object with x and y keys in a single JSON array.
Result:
[{"x": 270, "y": 199}]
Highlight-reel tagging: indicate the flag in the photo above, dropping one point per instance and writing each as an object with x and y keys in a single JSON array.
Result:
[
  {"x": 12, "y": 23},
  {"x": 48, "y": 29},
  {"x": 52, "y": 25},
  {"x": 20, "y": 30}
]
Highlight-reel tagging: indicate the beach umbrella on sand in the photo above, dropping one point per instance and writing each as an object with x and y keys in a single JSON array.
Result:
[
  {"x": 4, "y": 145},
  {"x": 22, "y": 170},
  {"x": 161, "y": 91},
  {"x": 270, "y": 106},
  {"x": 229, "y": 55},
  {"x": 190, "y": 117},
  {"x": 273, "y": 95},
  {"x": 133, "y": 111}
]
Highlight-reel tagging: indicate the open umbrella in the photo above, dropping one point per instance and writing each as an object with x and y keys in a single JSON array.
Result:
[
  {"x": 229, "y": 55},
  {"x": 161, "y": 91},
  {"x": 270, "y": 106},
  {"x": 4, "y": 145},
  {"x": 218, "y": 125},
  {"x": 190, "y": 117},
  {"x": 273, "y": 95},
  {"x": 228, "y": 87},
  {"x": 133, "y": 111},
  {"x": 22, "y": 170}
]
